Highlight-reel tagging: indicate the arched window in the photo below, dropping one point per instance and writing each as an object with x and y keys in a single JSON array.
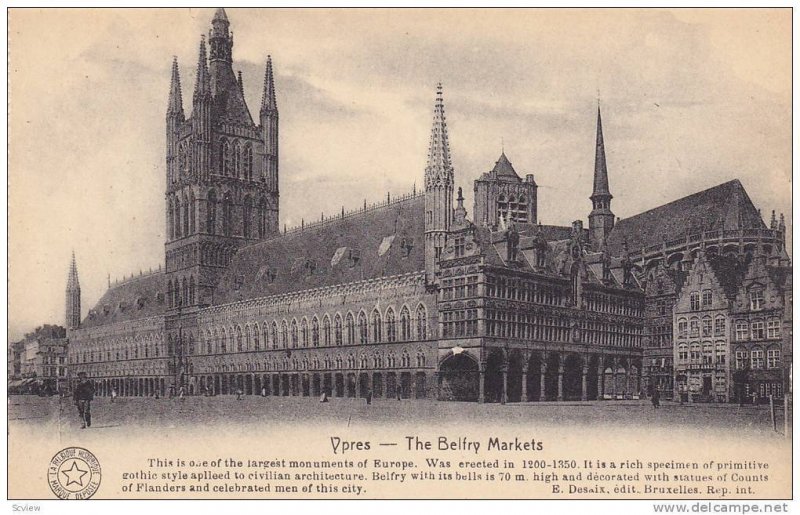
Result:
[
  {"x": 294, "y": 334},
  {"x": 262, "y": 217},
  {"x": 191, "y": 289},
  {"x": 422, "y": 323},
  {"x": 337, "y": 329},
  {"x": 226, "y": 160},
  {"x": 177, "y": 218},
  {"x": 184, "y": 291},
  {"x": 363, "y": 332},
  {"x": 405, "y": 324},
  {"x": 248, "y": 335},
  {"x": 391, "y": 328},
  {"x": 211, "y": 213},
  {"x": 248, "y": 162},
  {"x": 274, "y": 335},
  {"x": 719, "y": 325},
  {"x": 326, "y": 331},
  {"x": 304, "y": 332},
  {"x": 227, "y": 222},
  {"x": 315, "y": 332},
  {"x": 191, "y": 212},
  {"x": 377, "y": 327},
  {"x": 284, "y": 335},
  {"x": 185, "y": 215},
  {"x": 350, "y": 324},
  {"x": 170, "y": 294},
  {"x": 171, "y": 218},
  {"x": 223, "y": 341},
  {"x": 237, "y": 160},
  {"x": 256, "y": 337},
  {"x": 209, "y": 342},
  {"x": 247, "y": 214}
]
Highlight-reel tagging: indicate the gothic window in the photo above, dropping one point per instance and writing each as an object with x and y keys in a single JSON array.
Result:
[
  {"x": 191, "y": 212},
  {"x": 237, "y": 160},
  {"x": 223, "y": 341},
  {"x": 171, "y": 218},
  {"x": 391, "y": 328},
  {"x": 326, "y": 331},
  {"x": 422, "y": 323},
  {"x": 284, "y": 335},
  {"x": 247, "y": 215},
  {"x": 248, "y": 334},
  {"x": 362, "y": 327},
  {"x": 227, "y": 223},
  {"x": 248, "y": 162},
  {"x": 185, "y": 215},
  {"x": 170, "y": 297},
  {"x": 350, "y": 324},
  {"x": 191, "y": 289},
  {"x": 226, "y": 161},
  {"x": 239, "y": 343},
  {"x": 337, "y": 329},
  {"x": 304, "y": 332},
  {"x": 184, "y": 292},
  {"x": 315, "y": 332},
  {"x": 294, "y": 334},
  {"x": 177, "y": 218},
  {"x": 274, "y": 335},
  {"x": 262, "y": 217},
  {"x": 405, "y": 324},
  {"x": 211, "y": 214},
  {"x": 377, "y": 327},
  {"x": 256, "y": 337}
]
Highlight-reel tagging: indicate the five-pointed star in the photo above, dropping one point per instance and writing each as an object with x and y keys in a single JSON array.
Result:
[{"x": 74, "y": 474}]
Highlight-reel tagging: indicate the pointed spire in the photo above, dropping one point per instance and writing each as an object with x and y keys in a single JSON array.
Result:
[
  {"x": 268, "y": 102},
  {"x": 72, "y": 280},
  {"x": 175, "y": 106},
  {"x": 202, "y": 85},
  {"x": 239, "y": 81},
  {"x": 220, "y": 15},
  {"x": 439, "y": 151},
  {"x": 600, "y": 169}
]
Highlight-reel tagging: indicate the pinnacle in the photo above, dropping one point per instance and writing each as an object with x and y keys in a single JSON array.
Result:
[{"x": 268, "y": 100}]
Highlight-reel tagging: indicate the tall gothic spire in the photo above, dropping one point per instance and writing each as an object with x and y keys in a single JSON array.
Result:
[
  {"x": 175, "y": 106},
  {"x": 600, "y": 169},
  {"x": 268, "y": 102},
  {"x": 202, "y": 85},
  {"x": 439, "y": 165},
  {"x": 73, "y": 296}
]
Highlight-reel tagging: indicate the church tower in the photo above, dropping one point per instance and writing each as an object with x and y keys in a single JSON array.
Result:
[
  {"x": 601, "y": 219},
  {"x": 222, "y": 182},
  {"x": 73, "y": 317},
  {"x": 438, "y": 189}
]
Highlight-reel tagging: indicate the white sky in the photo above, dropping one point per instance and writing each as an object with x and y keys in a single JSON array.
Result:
[{"x": 690, "y": 99}]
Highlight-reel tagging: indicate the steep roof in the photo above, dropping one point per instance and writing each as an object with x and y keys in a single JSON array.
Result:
[
  {"x": 379, "y": 242},
  {"x": 229, "y": 104},
  {"x": 140, "y": 297},
  {"x": 503, "y": 167},
  {"x": 721, "y": 207},
  {"x": 729, "y": 272}
]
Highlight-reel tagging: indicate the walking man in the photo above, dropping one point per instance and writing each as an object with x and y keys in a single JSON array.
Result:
[
  {"x": 113, "y": 394},
  {"x": 84, "y": 394}
]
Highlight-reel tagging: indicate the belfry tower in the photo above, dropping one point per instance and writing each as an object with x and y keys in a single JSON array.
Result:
[
  {"x": 601, "y": 219},
  {"x": 438, "y": 189},
  {"x": 73, "y": 316},
  {"x": 221, "y": 182}
]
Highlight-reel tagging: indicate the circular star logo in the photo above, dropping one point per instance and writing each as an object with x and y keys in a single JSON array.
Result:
[{"x": 74, "y": 473}]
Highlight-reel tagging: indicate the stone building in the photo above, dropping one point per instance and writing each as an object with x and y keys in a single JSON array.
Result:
[
  {"x": 38, "y": 362},
  {"x": 406, "y": 297}
]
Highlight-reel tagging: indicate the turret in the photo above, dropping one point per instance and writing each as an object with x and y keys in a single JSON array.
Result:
[
  {"x": 438, "y": 189},
  {"x": 175, "y": 117},
  {"x": 201, "y": 115},
  {"x": 73, "y": 304},
  {"x": 601, "y": 219}
]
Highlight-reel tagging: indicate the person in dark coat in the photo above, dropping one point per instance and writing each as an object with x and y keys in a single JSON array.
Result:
[
  {"x": 369, "y": 396},
  {"x": 84, "y": 395},
  {"x": 656, "y": 398}
]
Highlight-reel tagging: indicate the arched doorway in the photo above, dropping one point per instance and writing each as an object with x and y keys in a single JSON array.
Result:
[
  {"x": 377, "y": 384},
  {"x": 572, "y": 381},
  {"x": 405, "y": 385},
  {"x": 306, "y": 386},
  {"x": 339, "y": 385},
  {"x": 534, "y": 376},
  {"x": 591, "y": 380},
  {"x": 391, "y": 385},
  {"x": 514, "y": 377},
  {"x": 316, "y": 385},
  {"x": 363, "y": 384},
  {"x": 351, "y": 384},
  {"x": 327, "y": 384},
  {"x": 458, "y": 378},
  {"x": 420, "y": 385},
  {"x": 551, "y": 377},
  {"x": 493, "y": 376}
]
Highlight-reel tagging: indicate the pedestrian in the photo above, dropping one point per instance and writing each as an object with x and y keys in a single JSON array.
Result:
[
  {"x": 263, "y": 391},
  {"x": 113, "y": 394},
  {"x": 84, "y": 394},
  {"x": 182, "y": 393},
  {"x": 238, "y": 394},
  {"x": 399, "y": 396},
  {"x": 369, "y": 396},
  {"x": 158, "y": 396},
  {"x": 324, "y": 397},
  {"x": 656, "y": 398}
]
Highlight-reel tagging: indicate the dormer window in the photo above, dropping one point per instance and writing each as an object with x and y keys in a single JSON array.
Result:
[{"x": 756, "y": 299}]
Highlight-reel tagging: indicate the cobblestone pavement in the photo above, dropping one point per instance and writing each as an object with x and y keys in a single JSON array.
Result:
[{"x": 30, "y": 413}]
